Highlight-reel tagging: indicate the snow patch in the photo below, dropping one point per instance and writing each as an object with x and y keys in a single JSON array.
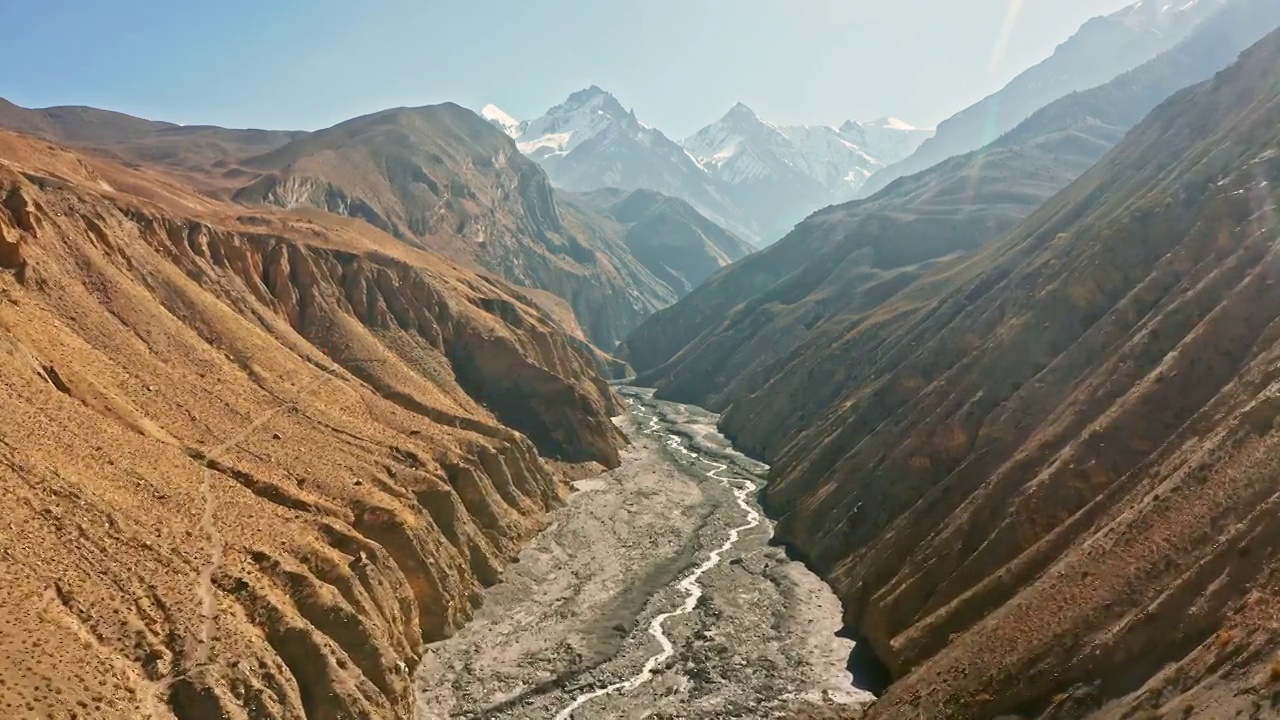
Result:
[{"x": 497, "y": 116}]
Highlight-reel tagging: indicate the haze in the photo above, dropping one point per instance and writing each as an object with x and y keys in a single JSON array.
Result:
[{"x": 305, "y": 65}]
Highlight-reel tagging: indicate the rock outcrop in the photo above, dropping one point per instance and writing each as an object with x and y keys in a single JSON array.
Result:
[{"x": 253, "y": 461}]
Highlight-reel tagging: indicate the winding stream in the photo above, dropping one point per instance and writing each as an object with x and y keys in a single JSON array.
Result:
[
  {"x": 655, "y": 591},
  {"x": 690, "y": 585}
]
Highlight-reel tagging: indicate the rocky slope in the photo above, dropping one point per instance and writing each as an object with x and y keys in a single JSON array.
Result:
[
  {"x": 1041, "y": 477},
  {"x": 667, "y": 235},
  {"x": 252, "y": 461},
  {"x": 1101, "y": 49},
  {"x": 442, "y": 178},
  {"x": 845, "y": 260}
]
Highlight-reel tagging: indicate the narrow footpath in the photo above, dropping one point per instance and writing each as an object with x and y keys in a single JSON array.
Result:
[{"x": 654, "y": 594}]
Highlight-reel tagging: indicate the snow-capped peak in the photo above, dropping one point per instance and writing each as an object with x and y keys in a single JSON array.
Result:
[
  {"x": 582, "y": 116},
  {"x": 743, "y": 149},
  {"x": 500, "y": 119},
  {"x": 888, "y": 139},
  {"x": 740, "y": 111}
]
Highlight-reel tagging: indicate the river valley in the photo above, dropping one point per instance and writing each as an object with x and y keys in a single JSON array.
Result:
[{"x": 654, "y": 594}]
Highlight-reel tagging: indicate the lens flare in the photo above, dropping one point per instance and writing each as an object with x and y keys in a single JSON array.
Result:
[{"x": 1006, "y": 33}]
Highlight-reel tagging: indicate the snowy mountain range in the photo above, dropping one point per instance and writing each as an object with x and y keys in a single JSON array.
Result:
[{"x": 751, "y": 176}]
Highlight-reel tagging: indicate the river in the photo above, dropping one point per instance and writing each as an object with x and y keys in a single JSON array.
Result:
[{"x": 653, "y": 594}]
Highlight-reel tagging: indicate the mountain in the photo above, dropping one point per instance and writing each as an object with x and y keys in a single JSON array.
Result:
[
  {"x": 443, "y": 179},
  {"x": 845, "y": 259},
  {"x": 667, "y": 235},
  {"x": 751, "y": 176},
  {"x": 187, "y": 150},
  {"x": 888, "y": 140},
  {"x": 438, "y": 178},
  {"x": 500, "y": 119},
  {"x": 254, "y": 460},
  {"x": 590, "y": 142},
  {"x": 1040, "y": 476},
  {"x": 779, "y": 174},
  {"x": 1102, "y": 49}
]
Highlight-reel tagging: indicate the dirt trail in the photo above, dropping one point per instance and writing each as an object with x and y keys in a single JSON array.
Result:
[{"x": 654, "y": 594}]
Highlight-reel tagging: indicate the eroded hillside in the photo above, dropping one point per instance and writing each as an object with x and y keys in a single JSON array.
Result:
[{"x": 253, "y": 461}]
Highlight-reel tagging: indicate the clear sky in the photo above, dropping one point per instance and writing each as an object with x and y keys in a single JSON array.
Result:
[{"x": 680, "y": 64}]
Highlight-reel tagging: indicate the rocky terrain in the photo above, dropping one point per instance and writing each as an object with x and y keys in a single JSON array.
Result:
[
  {"x": 1041, "y": 475},
  {"x": 576, "y": 613},
  {"x": 725, "y": 338},
  {"x": 1102, "y": 49},
  {"x": 254, "y": 460},
  {"x": 188, "y": 151}
]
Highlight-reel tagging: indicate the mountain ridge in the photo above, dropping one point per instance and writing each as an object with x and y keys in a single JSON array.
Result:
[
  {"x": 1103, "y": 48},
  {"x": 753, "y": 177},
  {"x": 855, "y": 252}
]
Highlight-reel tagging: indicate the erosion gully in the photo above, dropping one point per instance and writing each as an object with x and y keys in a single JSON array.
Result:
[{"x": 654, "y": 594}]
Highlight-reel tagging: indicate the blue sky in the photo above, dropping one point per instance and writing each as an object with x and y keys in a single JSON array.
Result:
[{"x": 679, "y": 63}]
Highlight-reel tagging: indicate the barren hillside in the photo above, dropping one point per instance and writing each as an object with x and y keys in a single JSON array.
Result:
[
  {"x": 253, "y": 460},
  {"x": 1042, "y": 478}
]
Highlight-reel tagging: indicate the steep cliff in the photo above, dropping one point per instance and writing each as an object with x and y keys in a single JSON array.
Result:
[
  {"x": 1042, "y": 477},
  {"x": 252, "y": 461}
]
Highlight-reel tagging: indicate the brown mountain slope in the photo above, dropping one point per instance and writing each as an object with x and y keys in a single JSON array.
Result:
[
  {"x": 250, "y": 462},
  {"x": 1043, "y": 478},
  {"x": 666, "y": 234},
  {"x": 845, "y": 259},
  {"x": 443, "y": 178},
  {"x": 203, "y": 155}
]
